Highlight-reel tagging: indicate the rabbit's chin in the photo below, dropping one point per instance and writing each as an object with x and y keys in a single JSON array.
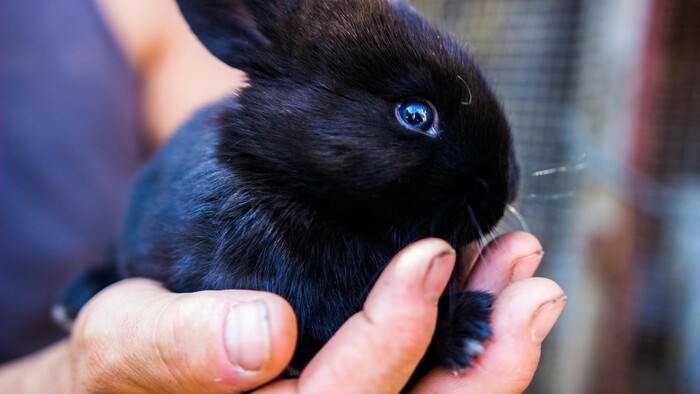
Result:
[
  {"x": 458, "y": 224},
  {"x": 455, "y": 233}
]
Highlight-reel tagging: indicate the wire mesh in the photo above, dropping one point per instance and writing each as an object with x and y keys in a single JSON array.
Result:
[{"x": 612, "y": 87}]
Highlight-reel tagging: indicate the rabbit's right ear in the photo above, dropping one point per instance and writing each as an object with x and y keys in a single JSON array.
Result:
[{"x": 238, "y": 32}]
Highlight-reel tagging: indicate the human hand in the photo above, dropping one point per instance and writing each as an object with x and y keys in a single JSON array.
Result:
[
  {"x": 524, "y": 313},
  {"x": 377, "y": 349},
  {"x": 136, "y": 337}
]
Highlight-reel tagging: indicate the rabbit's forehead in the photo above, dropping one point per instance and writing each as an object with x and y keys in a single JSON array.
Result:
[{"x": 383, "y": 47}]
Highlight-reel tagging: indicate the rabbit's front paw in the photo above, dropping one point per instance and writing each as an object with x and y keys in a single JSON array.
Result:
[{"x": 462, "y": 328}]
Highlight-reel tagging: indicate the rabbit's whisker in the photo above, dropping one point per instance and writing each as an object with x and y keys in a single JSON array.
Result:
[
  {"x": 471, "y": 97},
  {"x": 481, "y": 238},
  {"x": 518, "y": 216},
  {"x": 578, "y": 165},
  {"x": 549, "y": 197}
]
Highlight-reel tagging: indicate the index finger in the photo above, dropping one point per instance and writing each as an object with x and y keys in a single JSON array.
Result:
[
  {"x": 505, "y": 260},
  {"x": 378, "y": 348}
]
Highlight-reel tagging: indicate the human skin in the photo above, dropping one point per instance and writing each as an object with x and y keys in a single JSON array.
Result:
[
  {"x": 137, "y": 337},
  {"x": 177, "y": 75}
]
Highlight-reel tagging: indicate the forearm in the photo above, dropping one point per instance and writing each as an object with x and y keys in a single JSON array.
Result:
[{"x": 46, "y": 371}]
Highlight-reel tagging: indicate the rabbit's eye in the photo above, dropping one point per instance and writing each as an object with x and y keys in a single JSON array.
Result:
[{"x": 417, "y": 115}]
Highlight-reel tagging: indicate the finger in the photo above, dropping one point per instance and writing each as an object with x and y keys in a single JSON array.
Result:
[
  {"x": 524, "y": 313},
  {"x": 378, "y": 348},
  {"x": 507, "y": 259},
  {"x": 136, "y": 336}
]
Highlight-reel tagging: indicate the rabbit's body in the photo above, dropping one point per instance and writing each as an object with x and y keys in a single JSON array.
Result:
[
  {"x": 363, "y": 129},
  {"x": 193, "y": 231}
]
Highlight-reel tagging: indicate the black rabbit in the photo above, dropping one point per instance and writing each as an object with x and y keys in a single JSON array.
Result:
[{"x": 363, "y": 129}]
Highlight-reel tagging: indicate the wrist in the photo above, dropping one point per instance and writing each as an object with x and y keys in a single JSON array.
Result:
[{"x": 45, "y": 371}]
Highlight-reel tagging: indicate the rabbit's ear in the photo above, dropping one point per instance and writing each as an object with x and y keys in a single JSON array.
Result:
[{"x": 235, "y": 31}]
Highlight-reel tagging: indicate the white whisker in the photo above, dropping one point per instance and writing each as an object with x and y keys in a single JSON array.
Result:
[
  {"x": 578, "y": 165},
  {"x": 518, "y": 216},
  {"x": 471, "y": 97},
  {"x": 555, "y": 196},
  {"x": 475, "y": 222}
]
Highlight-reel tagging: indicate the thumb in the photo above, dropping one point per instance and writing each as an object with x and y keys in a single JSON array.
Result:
[{"x": 135, "y": 336}]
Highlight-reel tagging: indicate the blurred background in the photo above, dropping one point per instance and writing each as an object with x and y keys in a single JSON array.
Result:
[
  {"x": 603, "y": 97},
  {"x": 604, "y": 100}
]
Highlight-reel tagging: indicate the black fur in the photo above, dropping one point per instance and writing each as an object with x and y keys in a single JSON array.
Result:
[{"x": 306, "y": 184}]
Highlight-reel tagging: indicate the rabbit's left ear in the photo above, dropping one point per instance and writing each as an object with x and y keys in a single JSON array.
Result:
[{"x": 238, "y": 32}]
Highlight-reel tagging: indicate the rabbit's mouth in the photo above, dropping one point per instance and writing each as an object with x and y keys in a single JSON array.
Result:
[{"x": 458, "y": 221}]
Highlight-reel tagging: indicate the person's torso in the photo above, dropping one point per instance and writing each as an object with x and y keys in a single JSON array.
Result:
[{"x": 70, "y": 146}]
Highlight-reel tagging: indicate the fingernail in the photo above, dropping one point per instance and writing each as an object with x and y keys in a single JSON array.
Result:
[
  {"x": 438, "y": 275},
  {"x": 247, "y": 335},
  {"x": 544, "y": 318},
  {"x": 524, "y": 267}
]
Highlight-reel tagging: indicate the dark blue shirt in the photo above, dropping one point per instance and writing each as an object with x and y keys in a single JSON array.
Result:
[{"x": 69, "y": 148}]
